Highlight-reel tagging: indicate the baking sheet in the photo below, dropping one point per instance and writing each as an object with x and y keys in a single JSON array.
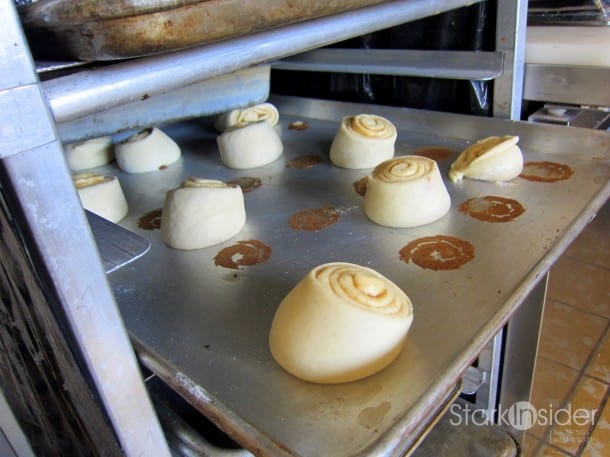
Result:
[
  {"x": 203, "y": 328},
  {"x": 118, "y": 29}
]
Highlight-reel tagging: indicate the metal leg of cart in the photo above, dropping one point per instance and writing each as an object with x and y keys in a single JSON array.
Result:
[{"x": 43, "y": 206}]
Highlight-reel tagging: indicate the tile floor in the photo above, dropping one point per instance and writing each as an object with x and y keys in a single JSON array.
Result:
[{"x": 573, "y": 365}]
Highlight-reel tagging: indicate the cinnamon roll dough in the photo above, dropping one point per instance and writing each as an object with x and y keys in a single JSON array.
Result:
[
  {"x": 240, "y": 117},
  {"x": 89, "y": 153},
  {"x": 490, "y": 159},
  {"x": 363, "y": 141},
  {"x": 250, "y": 146},
  {"x": 341, "y": 322},
  {"x": 101, "y": 195},
  {"x": 146, "y": 151},
  {"x": 202, "y": 212},
  {"x": 406, "y": 191}
]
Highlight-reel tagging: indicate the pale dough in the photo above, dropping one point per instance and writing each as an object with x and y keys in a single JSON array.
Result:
[
  {"x": 101, "y": 195},
  {"x": 250, "y": 146},
  {"x": 406, "y": 191},
  {"x": 341, "y": 322},
  {"x": 240, "y": 117},
  {"x": 363, "y": 141},
  {"x": 201, "y": 213},
  {"x": 89, "y": 153},
  {"x": 146, "y": 151},
  {"x": 490, "y": 159}
]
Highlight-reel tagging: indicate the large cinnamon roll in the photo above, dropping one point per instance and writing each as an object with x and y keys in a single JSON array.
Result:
[
  {"x": 202, "y": 212},
  {"x": 101, "y": 195},
  {"x": 490, "y": 159},
  {"x": 240, "y": 117},
  {"x": 406, "y": 191},
  {"x": 363, "y": 141},
  {"x": 340, "y": 323}
]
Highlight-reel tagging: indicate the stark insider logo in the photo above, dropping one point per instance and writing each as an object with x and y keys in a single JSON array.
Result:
[{"x": 522, "y": 416}]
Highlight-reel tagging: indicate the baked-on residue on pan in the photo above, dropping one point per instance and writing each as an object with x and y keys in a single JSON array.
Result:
[
  {"x": 360, "y": 186},
  {"x": 492, "y": 208},
  {"x": 439, "y": 252},
  {"x": 243, "y": 253},
  {"x": 151, "y": 220},
  {"x": 247, "y": 183},
  {"x": 546, "y": 171},
  {"x": 314, "y": 219},
  {"x": 304, "y": 161},
  {"x": 434, "y": 152}
]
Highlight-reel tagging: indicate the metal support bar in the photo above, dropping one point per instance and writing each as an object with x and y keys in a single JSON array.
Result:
[
  {"x": 467, "y": 65},
  {"x": 35, "y": 173},
  {"x": 510, "y": 40},
  {"x": 87, "y": 92}
]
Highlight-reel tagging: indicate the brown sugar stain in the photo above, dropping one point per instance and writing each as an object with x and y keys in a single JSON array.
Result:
[
  {"x": 373, "y": 416},
  {"x": 304, "y": 161},
  {"x": 434, "y": 152},
  {"x": 546, "y": 171},
  {"x": 247, "y": 183},
  {"x": 439, "y": 252},
  {"x": 151, "y": 220},
  {"x": 360, "y": 186},
  {"x": 492, "y": 208},
  {"x": 243, "y": 253},
  {"x": 298, "y": 125},
  {"x": 314, "y": 219}
]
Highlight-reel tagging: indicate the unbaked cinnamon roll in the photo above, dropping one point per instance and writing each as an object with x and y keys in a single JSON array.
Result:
[
  {"x": 240, "y": 117},
  {"x": 89, "y": 153},
  {"x": 250, "y": 146},
  {"x": 202, "y": 212},
  {"x": 363, "y": 141},
  {"x": 406, "y": 191},
  {"x": 148, "y": 150},
  {"x": 340, "y": 323},
  {"x": 490, "y": 159},
  {"x": 101, "y": 195}
]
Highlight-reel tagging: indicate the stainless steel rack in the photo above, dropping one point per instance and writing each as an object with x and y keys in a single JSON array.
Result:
[{"x": 38, "y": 116}]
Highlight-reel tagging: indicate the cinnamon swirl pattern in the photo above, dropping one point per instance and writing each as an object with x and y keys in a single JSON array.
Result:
[
  {"x": 439, "y": 252},
  {"x": 406, "y": 191},
  {"x": 240, "y": 117},
  {"x": 363, "y": 141},
  {"x": 340, "y": 323}
]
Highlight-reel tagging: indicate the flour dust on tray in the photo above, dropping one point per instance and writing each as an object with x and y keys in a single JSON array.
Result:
[
  {"x": 202, "y": 212},
  {"x": 342, "y": 322}
]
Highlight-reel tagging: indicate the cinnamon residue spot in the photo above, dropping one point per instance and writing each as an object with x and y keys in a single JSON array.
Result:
[
  {"x": 361, "y": 185},
  {"x": 304, "y": 161},
  {"x": 162, "y": 167},
  {"x": 492, "y": 208},
  {"x": 439, "y": 252},
  {"x": 151, "y": 220},
  {"x": 434, "y": 152},
  {"x": 243, "y": 253},
  {"x": 298, "y": 125},
  {"x": 546, "y": 171},
  {"x": 314, "y": 219},
  {"x": 247, "y": 183}
]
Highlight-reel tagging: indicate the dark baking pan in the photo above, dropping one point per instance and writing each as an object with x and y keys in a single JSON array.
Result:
[{"x": 117, "y": 29}]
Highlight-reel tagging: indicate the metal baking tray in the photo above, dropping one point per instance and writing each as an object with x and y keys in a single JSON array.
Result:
[
  {"x": 118, "y": 29},
  {"x": 203, "y": 328}
]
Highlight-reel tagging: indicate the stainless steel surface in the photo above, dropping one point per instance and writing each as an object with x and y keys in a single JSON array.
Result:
[
  {"x": 510, "y": 40},
  {"x": 75, "y": 96},
  {"x": 577, "y": 85},
  {"x": 399, "y": 62},
  {"x": 458, "y": 435},
  {"x": 116, "y": 246},
  {"x": 522, "y": 335},
  {"x": 36, "y": 178},
  {"x": 473, "y": 379},
  {"x": 204, "y": 328},
  {"x": 490, "y": 362},
  {"x": 570, "y": 115},
  {"x": 222, "y": 93}
]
